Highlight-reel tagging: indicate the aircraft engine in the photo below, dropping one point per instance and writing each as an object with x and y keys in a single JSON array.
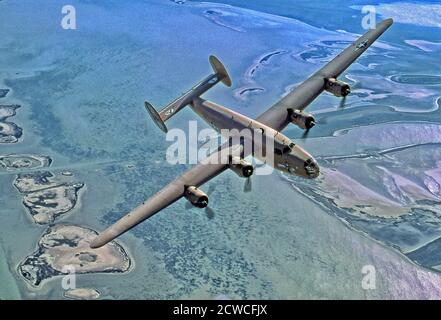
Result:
[
  {"x": 196, "y": 197},
  {"x": 337, "y": 88},
  {"x": 241, "y": 167},
  {"x": 302, "y": 119}
]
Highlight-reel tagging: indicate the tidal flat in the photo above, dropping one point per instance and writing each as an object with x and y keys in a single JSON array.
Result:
[
  {"x": 86, "y": 112},
  {"x": 9, "y": 131}
]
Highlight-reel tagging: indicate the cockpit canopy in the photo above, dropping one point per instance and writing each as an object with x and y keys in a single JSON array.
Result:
[{"x": 284, "y": 149}]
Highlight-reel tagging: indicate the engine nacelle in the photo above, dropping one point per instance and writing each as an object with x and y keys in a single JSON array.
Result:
[
  {"x": 196, "y": 197},
  {"x": 337, "y": 88},
  {"x": 302, "y": 119},
  {"x": 241, "y": 167}
]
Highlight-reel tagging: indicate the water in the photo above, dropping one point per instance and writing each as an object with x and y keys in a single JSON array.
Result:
[{"x": 82, "y": 96}]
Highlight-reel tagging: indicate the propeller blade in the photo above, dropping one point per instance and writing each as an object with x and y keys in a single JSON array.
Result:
[
  {"x": 305, "y": 134},
  {"x": 210, "y": 213},
  {"x": 188, "y": 206},
  {"x": 342, "y": 103},
  {"x": 248, "y": 185}
]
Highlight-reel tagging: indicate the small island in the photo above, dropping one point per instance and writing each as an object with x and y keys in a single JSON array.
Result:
[
  {"x": 68, "y": 245},
  {"x": 47, "y": 196},
  {"x": 82, "y": 294},
  {"x": 9, "y": 131},
  {"x": 3, "y": 92},
  {"x": 13, "y": 162},
  {"x": 7, "y": 111},
  {"x": 47, "y": 204}
]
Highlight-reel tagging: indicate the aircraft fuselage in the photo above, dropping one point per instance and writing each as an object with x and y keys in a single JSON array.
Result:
[{"x": 286, "y": 156}]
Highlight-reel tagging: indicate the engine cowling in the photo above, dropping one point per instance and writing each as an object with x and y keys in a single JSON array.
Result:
[
  {"x": 196, "y": 197},
  {"x": 241, "y": 167},
  {"x": 337, "y": 88},
  {"x": 302, "y": 119}
]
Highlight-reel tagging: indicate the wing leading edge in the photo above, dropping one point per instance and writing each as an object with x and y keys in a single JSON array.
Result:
[
  {"x": 196, "y": 176},
  {"x": 277, "y": 116},
  {"x": 212, "y": 166}
]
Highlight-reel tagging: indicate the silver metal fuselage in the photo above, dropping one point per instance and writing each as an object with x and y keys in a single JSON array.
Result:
[{"x": 286, "y": 156}]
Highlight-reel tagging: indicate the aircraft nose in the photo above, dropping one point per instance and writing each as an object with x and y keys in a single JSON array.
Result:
[{"x": 312, "y": 168}]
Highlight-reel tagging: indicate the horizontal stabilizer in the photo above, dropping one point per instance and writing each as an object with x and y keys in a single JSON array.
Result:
[{"x": 220, "y": 75}]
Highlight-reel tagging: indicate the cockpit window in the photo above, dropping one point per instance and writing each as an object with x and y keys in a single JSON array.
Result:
[
  {"x": 310, "y": 166},
  {"x": 285, "y": 150}
]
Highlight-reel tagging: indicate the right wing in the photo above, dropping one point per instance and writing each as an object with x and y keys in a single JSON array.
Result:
[
  {"x": 213, "y": 165},
  {"x": 277, "y": 116}
]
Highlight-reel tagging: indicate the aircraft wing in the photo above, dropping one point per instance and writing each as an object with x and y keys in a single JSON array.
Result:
[
  {"x": 196, "y": 176},
  {"x": 277, "y": 118}
]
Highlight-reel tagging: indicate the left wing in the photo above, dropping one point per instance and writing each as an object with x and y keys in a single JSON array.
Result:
[
  {"x": 196, "y": 176},
  {"x": 213, "y": 165}
]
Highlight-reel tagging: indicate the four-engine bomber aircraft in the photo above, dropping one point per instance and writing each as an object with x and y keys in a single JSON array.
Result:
[{"x": 287, "y": 157}]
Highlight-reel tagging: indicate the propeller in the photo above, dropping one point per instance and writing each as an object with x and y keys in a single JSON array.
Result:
[
  {"x": 342, "y": 104},
  {"x": 305, "y": 134},
  {"x": 355, "y": 86},
  {"x": 208, "y": 211},
  {"x": 248, "y": 186}
]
